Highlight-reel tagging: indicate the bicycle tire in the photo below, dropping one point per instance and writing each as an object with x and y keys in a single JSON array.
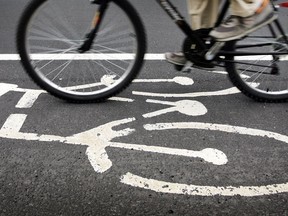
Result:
[
  {"x": 35, "y": 33},
  {"x": 263, "y": 78}
]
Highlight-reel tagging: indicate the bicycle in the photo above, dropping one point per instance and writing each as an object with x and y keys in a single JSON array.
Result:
[{"x": 77, "y": 62}]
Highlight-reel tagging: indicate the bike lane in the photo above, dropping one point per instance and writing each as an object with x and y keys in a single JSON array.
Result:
[
  {"x": 170, "y": 140},
  {"x": 144, "y": 152}
]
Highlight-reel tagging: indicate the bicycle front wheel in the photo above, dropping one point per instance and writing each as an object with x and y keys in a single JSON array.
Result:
[
  {"x": 262, "y": 77},
  {"x": 51, "y": 32}
]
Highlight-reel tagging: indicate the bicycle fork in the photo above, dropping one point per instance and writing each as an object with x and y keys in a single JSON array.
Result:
[{"x": 95, "y": 25}]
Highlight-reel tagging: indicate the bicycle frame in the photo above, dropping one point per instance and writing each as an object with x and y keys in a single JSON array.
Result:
[
  {"x": 174, "y": 14},
  {"x": 172, "y": 11},
  {"x": 116, "y": 44}
]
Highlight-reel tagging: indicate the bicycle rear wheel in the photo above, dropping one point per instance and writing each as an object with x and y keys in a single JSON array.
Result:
[
  {"x": 51, "y": 32},
  {"x": 261, "y": 77}
]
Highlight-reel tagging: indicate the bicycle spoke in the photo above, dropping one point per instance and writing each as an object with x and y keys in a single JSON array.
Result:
[
  {"x": 269, "y": 72},
  {"x": 59, "y": 28}
]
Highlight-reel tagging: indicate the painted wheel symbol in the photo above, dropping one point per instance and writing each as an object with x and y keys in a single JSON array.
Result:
[{"x": 99, "y": 138}]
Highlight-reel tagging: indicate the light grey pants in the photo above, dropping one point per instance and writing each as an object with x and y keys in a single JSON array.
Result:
[{"x": 203, "y": 13}]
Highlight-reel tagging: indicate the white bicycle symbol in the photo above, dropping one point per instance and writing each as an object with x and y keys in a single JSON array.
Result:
[{"x": 99, "y": 138}]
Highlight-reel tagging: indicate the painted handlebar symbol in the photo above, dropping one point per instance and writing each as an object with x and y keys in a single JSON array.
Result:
[{"x": 97, "y": 139}]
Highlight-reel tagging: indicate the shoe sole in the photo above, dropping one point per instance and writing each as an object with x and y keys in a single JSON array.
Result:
[
  {"x": 174, "y": 62},
  {"x": 194, "y": 66},
  {"x": 250, "y": 30}
]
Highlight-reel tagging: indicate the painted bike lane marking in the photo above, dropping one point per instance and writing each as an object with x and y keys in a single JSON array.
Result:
[
  {"x": 100, "y": 161},
  {"x": 99, "y": 138}
]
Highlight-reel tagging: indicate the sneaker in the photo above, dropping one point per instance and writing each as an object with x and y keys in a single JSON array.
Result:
[
  {"x": 176, "y": 58},
  {"x": 236, "y": 27}
]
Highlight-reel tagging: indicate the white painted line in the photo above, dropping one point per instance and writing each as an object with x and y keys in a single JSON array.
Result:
[
  {"x": 255, "y": 58},
  {"x": 31, "y": 95},
  {"x": 229, "y": 91},
  {"x": 28, "y": 99},
  {"x": 88, "y": 56},
  {"x": 178, "y": 80},
  {"x": 224, "y": 72},
  {"x": 217, "y": 127},
  {"x": 14, "y": 123},
  {"x": 5, "y": 88},
  {"x": 9, "y": 57},
  {"x": 284, "y": 58},
  {"x": 121, "y": 99},
  {"x": 199, "y": 190},
  {"x": 209, "y": 155},
  {"x": 109, "y": 80},
  {"x": 115, "y": 56},
  {"x": 85, "y": 86}
]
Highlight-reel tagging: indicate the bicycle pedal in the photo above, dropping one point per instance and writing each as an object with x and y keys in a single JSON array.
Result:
[{"x": 187, "y": 67}]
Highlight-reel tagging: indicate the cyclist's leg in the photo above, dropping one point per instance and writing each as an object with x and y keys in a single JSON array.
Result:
[
  {"x": 261, "y": 74},
  {"x": 203, "y": 15},
  {"x": 246, "y": 17},
  {"x": 244, "y": 8}
]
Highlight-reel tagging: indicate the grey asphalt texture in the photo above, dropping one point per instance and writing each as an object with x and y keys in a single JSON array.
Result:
[{"x": 53, "y": 178}]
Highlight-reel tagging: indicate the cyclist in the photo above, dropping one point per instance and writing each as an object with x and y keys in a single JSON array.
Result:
[{"x": 245, "y": 16}]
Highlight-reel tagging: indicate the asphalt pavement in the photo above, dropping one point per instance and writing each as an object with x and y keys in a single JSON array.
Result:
[{"x": 176, "y": 144}]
